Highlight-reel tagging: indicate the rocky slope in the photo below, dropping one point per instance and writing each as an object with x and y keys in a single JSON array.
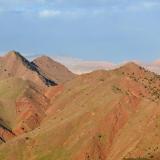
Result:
[
  {"x": 24, "y": 90},
  {"x": 54, "y": 70},
  {"x": 22, "y": 106},
  {"x": 103, "y": 115},
  {"x": 13, "y": 64}
]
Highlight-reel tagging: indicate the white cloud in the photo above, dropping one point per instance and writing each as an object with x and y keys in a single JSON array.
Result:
[
  {"x": 150, "y": 5},
  {"x": 49, "y": 13},
  {"x": 46, "y": 8},
  {"x": 154, "y": 66},
  {"x": 142, "y": 6},
  {"x": 72, "y": 13},
  {"x": 80, "y": 66}
]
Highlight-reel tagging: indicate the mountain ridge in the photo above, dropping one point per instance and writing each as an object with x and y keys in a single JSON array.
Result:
[
  {"x": 102, "y": 115},
  {"x": 16, "y": 56},
  {"x": 22, "y": 97},
  {"x": 53, "y": 69}
]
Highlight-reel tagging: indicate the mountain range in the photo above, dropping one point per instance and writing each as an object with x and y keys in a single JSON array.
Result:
[
  {"x": 49, "y": 113},
  {"x": 80, "y": 66}
]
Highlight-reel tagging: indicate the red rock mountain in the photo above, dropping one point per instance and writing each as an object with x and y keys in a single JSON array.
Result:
[
  {"x": 23, "y": 95},
  {"x": 13, "y": 64},
  {"x": 53, "y": 70},
  {"x": 103, "y": 115}
]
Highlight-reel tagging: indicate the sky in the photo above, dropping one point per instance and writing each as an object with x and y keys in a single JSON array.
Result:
[{"x": 97, "y": 30}]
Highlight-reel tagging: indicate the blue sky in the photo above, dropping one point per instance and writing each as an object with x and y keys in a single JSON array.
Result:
[{"x": 113, "y": 30}]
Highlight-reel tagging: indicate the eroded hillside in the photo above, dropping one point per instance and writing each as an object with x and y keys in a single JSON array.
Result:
[
  {"x": 103, "y": 115},
  {"x": 54, "y": 70},
  {"x": 23, "y": 95}
]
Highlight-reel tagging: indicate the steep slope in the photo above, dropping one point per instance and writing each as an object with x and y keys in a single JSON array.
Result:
[
  {"x": 22, "y": 106},
  {"x": 15, "y": 65},
  {"x": 103, "y": 115},
  {"x": 21, "y": 95},
  {"x": 24, "y": 95},
  {"x": 53, "y": 70}
]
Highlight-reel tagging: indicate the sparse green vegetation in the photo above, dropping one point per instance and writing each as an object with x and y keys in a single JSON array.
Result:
[
  {"x": 97, "y": 115},
  {"x": 57, "y": 154},
  {"x": 102, "y": 79},
  {"x": 135, "y": 159},
  {"x": 10, "y": 89},
  {"x": 116, "y": 89}
]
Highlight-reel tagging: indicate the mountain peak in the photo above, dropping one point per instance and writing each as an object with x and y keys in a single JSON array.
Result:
[
  {"x": 13, "y": 53},
  {"x": 19, "y": 66},
  {"x": 131, "y": 66},
  {"x": 44, "y": 56},
  {"x": 46, "y": 59},
  {"x": 53, "y": 69},
  {"x": 16, "y": 55}
]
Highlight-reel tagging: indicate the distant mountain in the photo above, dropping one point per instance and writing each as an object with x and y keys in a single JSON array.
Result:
[
  {"x": 103, "y": 115},
  {"x": 80, "y": 66},
  {"x": 155, "y": 66},
  {"x": 53, "y": 70}
]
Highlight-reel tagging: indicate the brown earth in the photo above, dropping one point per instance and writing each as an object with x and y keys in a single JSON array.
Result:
[
  {"x": 103, "y": 115},
  {"x": 23, "y": 102},
  {"x": 13, "y": 64},
  {"x": 54, "y": 70}
]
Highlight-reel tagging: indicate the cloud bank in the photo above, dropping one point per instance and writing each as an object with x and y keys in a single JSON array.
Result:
[
  {"x": 47, "y": 8},
  {"x": 80, "y": 66}
]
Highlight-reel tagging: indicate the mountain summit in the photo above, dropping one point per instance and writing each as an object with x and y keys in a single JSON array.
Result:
[
  {"x": 13, "y": 64},
  {"x": 23, "y": 99},
  {"x": 54, "y": 70}
]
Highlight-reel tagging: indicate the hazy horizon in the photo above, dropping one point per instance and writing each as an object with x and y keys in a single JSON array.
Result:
[{"x": 80, "y": 66}]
